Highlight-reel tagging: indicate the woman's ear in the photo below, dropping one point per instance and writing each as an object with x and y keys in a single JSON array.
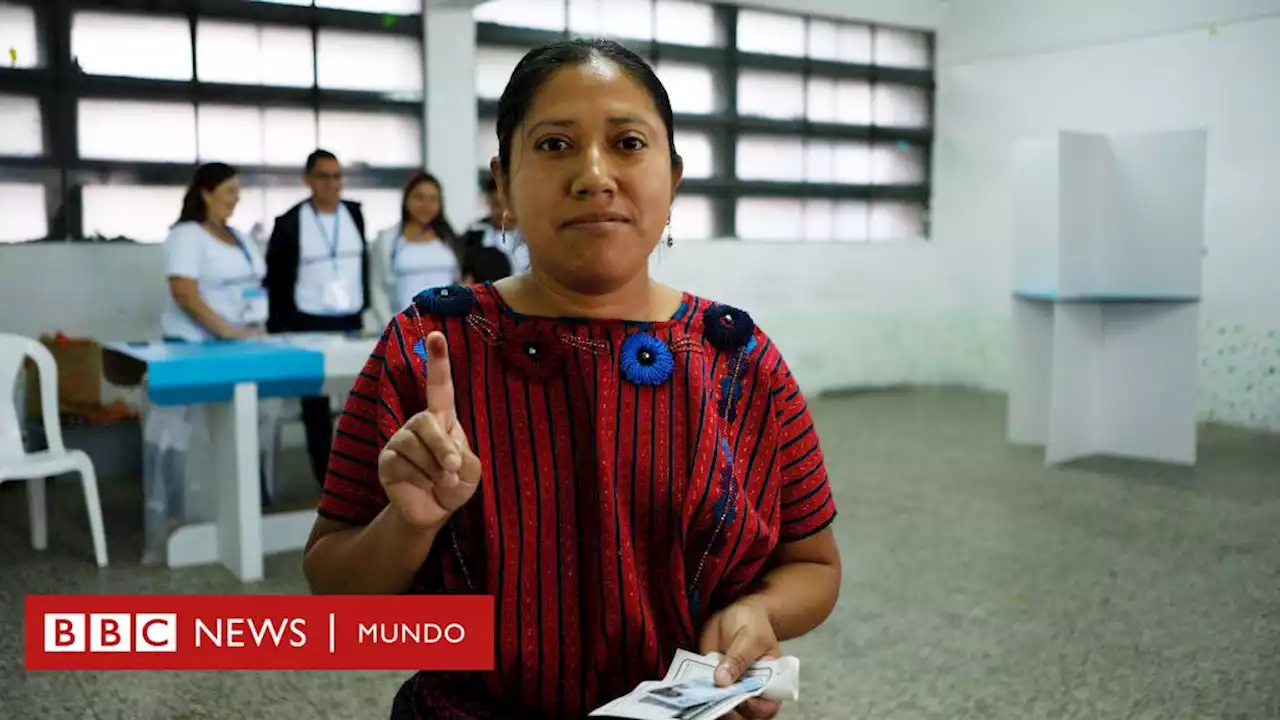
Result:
[
  {"x": 504, "y": 195},
  {"x": 677, "y": 175}
]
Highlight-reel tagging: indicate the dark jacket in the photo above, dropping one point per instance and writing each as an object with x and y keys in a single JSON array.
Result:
[
  {"x": 284, "y": 252},
  {"x": 474, "y": 236}
]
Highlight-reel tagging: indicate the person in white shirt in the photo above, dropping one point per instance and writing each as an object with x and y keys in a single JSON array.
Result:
[
  {"x": 419, "y": 252},
  {"x": 215, "y": 293},
  {"x": 215, "y": 273},
  {"x": 318, "y": 279}
]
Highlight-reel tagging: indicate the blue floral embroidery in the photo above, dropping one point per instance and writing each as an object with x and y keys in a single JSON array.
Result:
[
  {"x": 727, "y": 328},
  {"x": 446, "y": 300},
  {"x": 730, "y": 394},
  {"x": 750, "y": 346},
  {"x": 646, "y": 360},
  {"x": 420, "y": 349}
]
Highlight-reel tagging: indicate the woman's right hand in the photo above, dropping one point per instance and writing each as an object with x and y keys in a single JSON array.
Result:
[{"x": 427, "y": 468}]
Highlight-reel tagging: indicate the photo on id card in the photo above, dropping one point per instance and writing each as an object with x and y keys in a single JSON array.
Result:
[{"x": 687, "y": 697}]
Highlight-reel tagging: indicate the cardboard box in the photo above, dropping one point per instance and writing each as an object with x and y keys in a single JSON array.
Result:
[{"x": 79, "y": 363}]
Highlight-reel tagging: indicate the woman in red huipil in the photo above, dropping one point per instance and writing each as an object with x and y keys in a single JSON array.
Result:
[{"x": 626, "y": 468}]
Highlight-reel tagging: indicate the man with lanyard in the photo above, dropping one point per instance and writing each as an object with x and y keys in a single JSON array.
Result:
[{"x": 318, "y": 278}]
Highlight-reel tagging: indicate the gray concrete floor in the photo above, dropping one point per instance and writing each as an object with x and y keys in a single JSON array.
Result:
[{"x": 978, "y": 584}]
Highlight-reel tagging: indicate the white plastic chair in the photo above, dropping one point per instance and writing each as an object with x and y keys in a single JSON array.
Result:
[{"x": 18, "y": 464}]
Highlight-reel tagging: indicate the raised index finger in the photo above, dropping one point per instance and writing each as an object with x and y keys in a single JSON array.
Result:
[{"x": 439, "y": 378}]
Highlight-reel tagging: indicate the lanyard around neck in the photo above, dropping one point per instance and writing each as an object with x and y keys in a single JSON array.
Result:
[
  {"x": 240, "y": 245},
  {"x": 334, "y": 235}
]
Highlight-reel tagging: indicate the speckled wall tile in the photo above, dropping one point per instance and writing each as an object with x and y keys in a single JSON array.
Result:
[{"x": 1240, "y": 375}]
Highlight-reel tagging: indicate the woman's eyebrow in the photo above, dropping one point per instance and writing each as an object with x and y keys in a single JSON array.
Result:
[{"x": 567, "y": 122}]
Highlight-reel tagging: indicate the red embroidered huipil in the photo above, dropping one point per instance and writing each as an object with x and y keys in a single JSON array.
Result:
[{"x": 636, "y": 478}]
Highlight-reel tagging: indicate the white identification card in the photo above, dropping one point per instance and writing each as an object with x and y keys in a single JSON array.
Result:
[
  {"x": 336, "y": 296},
  {"x": 255, "y": 305}
]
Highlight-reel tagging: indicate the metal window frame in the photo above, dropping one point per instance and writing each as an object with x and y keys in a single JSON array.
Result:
[
  {"x": 726, "y": 126},
  {"x": 59, "y": 85}
]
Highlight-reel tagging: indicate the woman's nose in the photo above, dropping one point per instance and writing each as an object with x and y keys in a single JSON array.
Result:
[{"x": 595, "y": 173}]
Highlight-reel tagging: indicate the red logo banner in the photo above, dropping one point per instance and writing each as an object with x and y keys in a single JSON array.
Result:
[{"x": 259, "y": 632}]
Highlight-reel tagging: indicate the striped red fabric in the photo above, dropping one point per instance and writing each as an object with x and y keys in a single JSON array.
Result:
[{"x": 613, "y": 517}]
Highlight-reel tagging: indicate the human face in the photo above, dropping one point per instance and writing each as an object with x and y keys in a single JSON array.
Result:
[
  {"x": 423, "y": 202},
  {"x": 590, "y": 180},
  {"x": 325, "y": 181},
  {"x": 221, "y": 201}
]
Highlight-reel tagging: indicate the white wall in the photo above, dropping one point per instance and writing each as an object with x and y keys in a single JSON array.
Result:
[{"x": 1182, "y": 67}]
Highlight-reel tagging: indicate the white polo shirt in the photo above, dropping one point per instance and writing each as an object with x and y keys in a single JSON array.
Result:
[
  {"x": 419, "y": 265},
  {"x": 228, "y": 278},
  {"x": 330, "y": 263}
]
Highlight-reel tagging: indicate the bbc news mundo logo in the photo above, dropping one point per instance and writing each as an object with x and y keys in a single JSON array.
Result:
[
  {"x": 110, "y": 632},
  {"x": 259, "y": 632}
]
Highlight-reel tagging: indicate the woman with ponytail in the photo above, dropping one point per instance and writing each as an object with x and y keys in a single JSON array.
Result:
[
  {"x": 215, "y": 273},
  {"x": 215, "y": 293}
]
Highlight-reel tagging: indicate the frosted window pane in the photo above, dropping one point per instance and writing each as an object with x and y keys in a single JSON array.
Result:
[
  {"x": 375, "y": 139},
  {"x": 819, "y": 220},
  {"x": 230, "y": 134},
  {"x": 824, "y": 40},
  {"x": 23, "y": 134},
  {"x": 486, "y": 143},
  {"x": 254, "y": 54},
  {"x": 901, "y": 106},
  {"x": 145, "y": 131},
  {"x": 770, "y": 158},
  {"x": 686, "y": 23},
  {"x": 852, "y": 162},
  {"x": 18, "y": 32},
  {"x": 771, "y": 33},
  {"x": 770, "y": 219},
  {"x": 381, "y": 206},
  {"x": 493, "y": 70},
  {"x": 819, "y": 161},
  {"x": 22, "y": 205},
  {"x": 821, "y": 100},
  {"x": 896, "y": 221},
  {"x": 632, "y": 19},
  {"x": 693, "y": 217},
  {"x": 288, "y": 136},
  {"x": 771, "y": 95},
  {"x": 132, "y": 45},
  {"x": 399, "y": 7},
  {"x": 692, "y": 88},
  {"x": 256, "y": 136},
  {"x": 851, "y": 220},
  {"x": 902, "y": 48},
  {"x": 851, "y": 100},
  {"x": 539, "y": 14},
  {"x": 372, "y": 63},
  {"x": 699, "y": 156},
  {"x": 141, "y": 213},
  {"x": 897, "y": 164},
  {"x": 854, "y": 44}
]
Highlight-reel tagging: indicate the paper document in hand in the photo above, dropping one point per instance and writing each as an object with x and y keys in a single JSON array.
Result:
[
  {"x": 690, "y": 679},
  {"x": 698, "y": 691}
]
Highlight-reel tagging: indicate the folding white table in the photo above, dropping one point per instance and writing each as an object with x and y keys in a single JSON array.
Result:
[{"x": 230, "y": 377}]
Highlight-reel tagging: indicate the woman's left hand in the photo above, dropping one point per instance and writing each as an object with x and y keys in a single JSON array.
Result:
[{"x": 742, "y": 633}]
